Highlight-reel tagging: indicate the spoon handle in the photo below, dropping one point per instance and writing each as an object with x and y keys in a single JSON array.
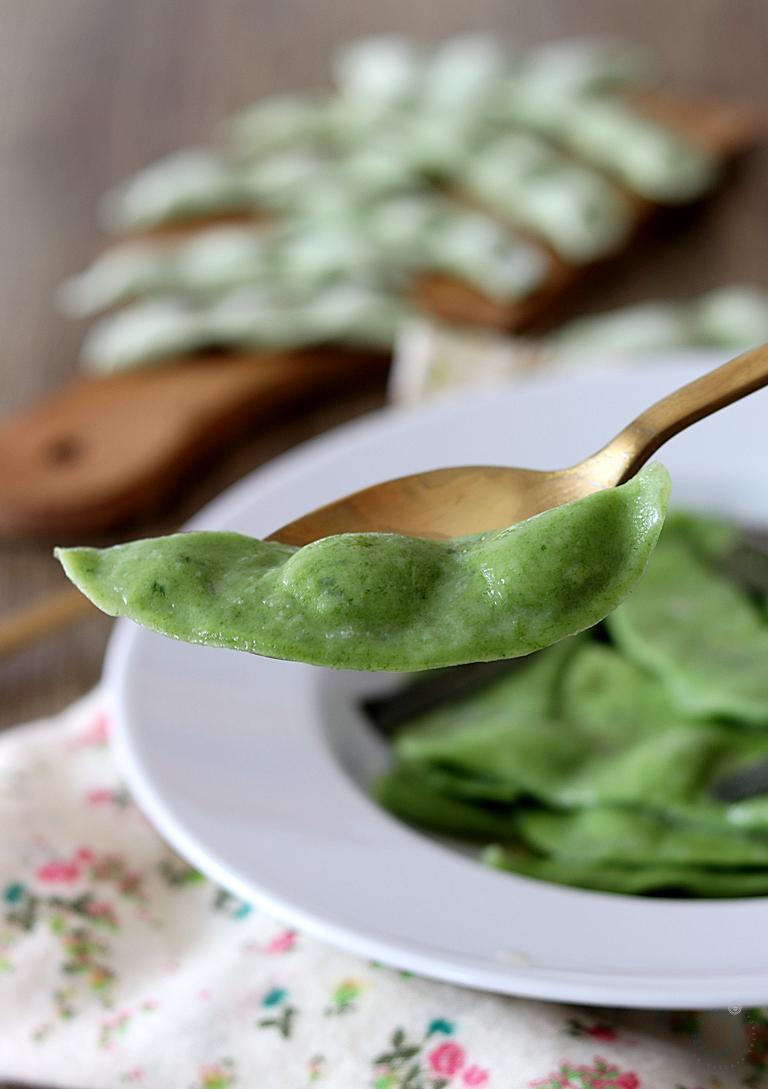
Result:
[{"x": 633, "y": 446}]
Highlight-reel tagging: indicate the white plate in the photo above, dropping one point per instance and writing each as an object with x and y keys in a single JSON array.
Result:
[{"x": 254, "y": 769}]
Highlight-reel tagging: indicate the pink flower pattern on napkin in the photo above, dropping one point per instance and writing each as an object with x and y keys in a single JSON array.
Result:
[
  {"x": 117, "y": 950},
  {"x": 601, "y": 1075},
  {"x": 447, "y": 1059},
  {"x": 415, "y": 1064}
]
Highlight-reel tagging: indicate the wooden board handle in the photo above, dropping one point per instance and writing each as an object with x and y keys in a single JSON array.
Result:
[{"x": 106, "y": 449}]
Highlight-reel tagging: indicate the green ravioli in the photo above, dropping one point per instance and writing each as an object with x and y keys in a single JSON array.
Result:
[
  {"x": 642, "y": 750},
  {"x": 383, "y": 601},
  {"x": 579, "y": 725},
  {"x": 505, "y": 740},
  {"x": 655, "y": 879},
  {"x": 588, "y": 764},
  {"x": 700, "y": 633},
  {"x": 626, "y": 837},
  {"x": 417, "y": 794}
]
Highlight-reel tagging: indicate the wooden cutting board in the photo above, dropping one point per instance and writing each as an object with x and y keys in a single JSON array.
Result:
[{"x": 104, "y": 450}]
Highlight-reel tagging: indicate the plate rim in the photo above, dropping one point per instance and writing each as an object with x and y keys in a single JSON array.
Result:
[{"x": 628, "y": 989}]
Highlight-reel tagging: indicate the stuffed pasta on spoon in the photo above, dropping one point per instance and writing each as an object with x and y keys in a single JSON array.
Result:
[{"x": 416, "y": 573}]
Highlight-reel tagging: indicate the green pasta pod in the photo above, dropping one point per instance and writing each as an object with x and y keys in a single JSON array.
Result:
[
  {"x": 654, "y": 880},
  {"x": 626, "y": 837},
  {"x": 699, "y": 633},
  {"x": 642, "y": 751},
  {"x": 418, "y": 795},
  {"x": 505, "y": 740},
  {"x": 383, "y": 601}
]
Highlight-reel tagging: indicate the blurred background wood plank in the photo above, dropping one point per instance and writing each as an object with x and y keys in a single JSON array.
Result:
[{"x": 95, "y": 89}]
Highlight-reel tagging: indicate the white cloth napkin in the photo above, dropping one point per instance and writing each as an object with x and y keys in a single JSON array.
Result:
[{"x": 120, "y": 964}]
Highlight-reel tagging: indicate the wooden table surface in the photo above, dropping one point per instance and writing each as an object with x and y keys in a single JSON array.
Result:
[{"x": 91, "y": 90}]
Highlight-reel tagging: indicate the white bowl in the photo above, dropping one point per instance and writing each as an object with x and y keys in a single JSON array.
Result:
[{"x": 255, "y": 770}]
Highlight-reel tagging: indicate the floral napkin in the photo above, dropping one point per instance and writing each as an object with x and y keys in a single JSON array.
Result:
[{"x": 121, "y": 964}]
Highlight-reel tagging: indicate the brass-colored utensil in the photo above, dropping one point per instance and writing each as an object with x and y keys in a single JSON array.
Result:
[
  {"x": 475, "y": 498},
  {"x": 470, "y": 499}
]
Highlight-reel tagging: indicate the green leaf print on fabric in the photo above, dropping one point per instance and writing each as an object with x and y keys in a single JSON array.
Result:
[
  {"x": 230, "y": 905},
  {"x": 178, "y": 872},
  {"x": 74, "y": 921},
  {"x": 344, "y": 996},
  {"x": 601, "y": 1075},
  {"x": 601, "y": 1030},
  {"x": 63, "y": 999},
  {"x": 81, "y": 923},
  {"x": 424, "y": 1065},
  {"x": 284, "y": 1014},
  {"x": 113, "y": 1027}
]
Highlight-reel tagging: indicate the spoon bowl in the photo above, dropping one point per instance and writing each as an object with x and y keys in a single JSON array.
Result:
[{"x": 453, "y": 502}]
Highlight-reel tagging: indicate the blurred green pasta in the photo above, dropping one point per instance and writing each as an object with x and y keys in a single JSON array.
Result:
[{"x": 597, "y": 762}]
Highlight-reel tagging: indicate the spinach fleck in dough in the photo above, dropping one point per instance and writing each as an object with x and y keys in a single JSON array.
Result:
[{"x": 383, "y": 601}]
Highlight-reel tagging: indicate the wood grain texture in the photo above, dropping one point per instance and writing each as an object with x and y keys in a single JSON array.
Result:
[
  {"x": 94, "y": 89},
  {"x": 106, "y": 450}
]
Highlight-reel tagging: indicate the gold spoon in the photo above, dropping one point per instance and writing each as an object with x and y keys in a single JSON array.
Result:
[{"x": 475, "y": 498}]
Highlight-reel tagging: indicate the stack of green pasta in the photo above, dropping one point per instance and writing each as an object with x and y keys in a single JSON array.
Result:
[
  {"x": 314, "y": 217},
  {"x": 631, "y": 758}
]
